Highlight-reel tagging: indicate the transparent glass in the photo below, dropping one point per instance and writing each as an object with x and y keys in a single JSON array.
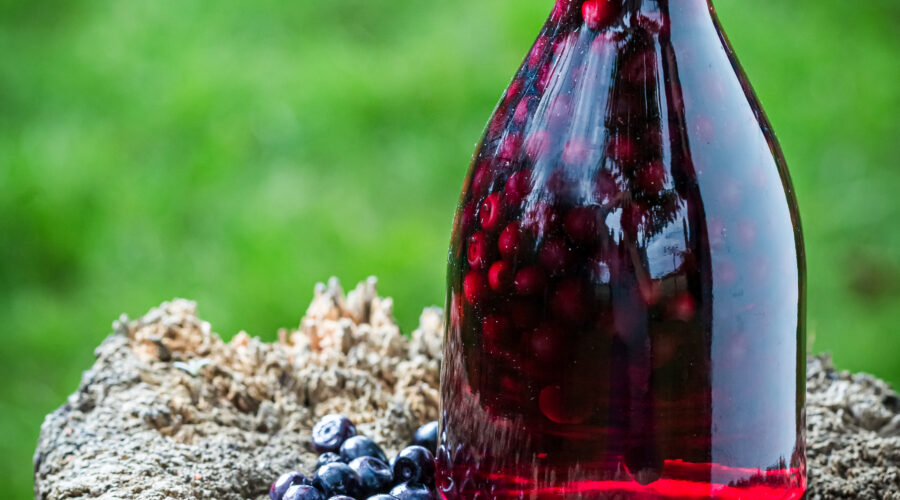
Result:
[{"x": 626, "y": 283}]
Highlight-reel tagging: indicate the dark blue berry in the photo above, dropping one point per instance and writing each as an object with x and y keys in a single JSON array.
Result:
[
  {"x": 361, "y": 446},
  {"x": 337, "y": 479},
  {"x": 285, "y": 481},
  {"x": 331, "y": 431},
  {"x": 414, "y": 464},
  {"x": 376, "y": 476},
  {"x": 427, "y": 436},
  {"x": 302, "y": 492},
  {"x": 412, "y": 491},
  {"x": 327, "y": 458}
]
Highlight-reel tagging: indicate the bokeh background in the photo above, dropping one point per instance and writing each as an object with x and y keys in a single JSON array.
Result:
[{"x": 236, "y": 152}]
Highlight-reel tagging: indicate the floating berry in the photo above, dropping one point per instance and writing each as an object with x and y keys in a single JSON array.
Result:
[
  {"x": 412, "y": 491},
  {"x": 514, "y": 89},
  {"x": 562, "y": 407},
  {"x": 555, "y": 255},
  {"x": 375, "y": 475},
  {"x": 414, "y": 464},
  {"x": 338, "y": 479},
  {"x": 427, "y": 436},
  {"x": 481, "y": 178},
  {"x": 491, "y": 212},
  {"x": 285, "y": 481},
  {"x": 331, "y": 431},
  {"x": 524, "y": 313},
  {"x": 327, "y": 458},
  {"x": 584, "y": 224},
  {"x": 522, "y": 109},
  {"x": 546, "y": 343},
  {"x": 477, "y": 250},
  {"x": 361, "y": 446},
  {"x": 570, "y": 301},
  {"x": 537, "y": 51},
  {"x": 495, "y": 330},
  {"x": 302, "y": 492},
  {"x": 500, "y": 276},
  {"x": 510, "y": 240},
  {"x": 466, "y": 219},
  {"x": 517, "y": 187},
  {"x": 682, "y": 307},
  {"x": 597, "y": 13},
  {"x": 537, "y": 144},
  {"x": 509, "y": 148},
  {"x": 530, "y": 281},
  {"x": 475, "y": 287}
]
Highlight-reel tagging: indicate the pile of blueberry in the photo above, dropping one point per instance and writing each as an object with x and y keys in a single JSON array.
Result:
[{"x": 352, "y": 467}]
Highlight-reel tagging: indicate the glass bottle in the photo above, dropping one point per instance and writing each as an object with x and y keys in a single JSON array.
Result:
[{"x": 626, "y": 283}]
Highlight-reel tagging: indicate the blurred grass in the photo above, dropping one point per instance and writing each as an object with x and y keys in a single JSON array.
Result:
[{"x": 237, "y": 152}]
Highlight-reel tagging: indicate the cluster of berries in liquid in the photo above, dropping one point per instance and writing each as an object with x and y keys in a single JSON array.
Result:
[
  {"x": 354, "y": 467},
  {"x": 582, "y": 174}
]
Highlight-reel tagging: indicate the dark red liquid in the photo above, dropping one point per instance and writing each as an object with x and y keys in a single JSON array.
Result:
[{"x": 626, "y": 279}]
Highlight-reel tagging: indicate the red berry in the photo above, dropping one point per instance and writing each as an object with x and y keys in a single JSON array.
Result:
[
  {"x": 498, "y": 121},
  {"x": 491, "y": 212},
  {"x": 475, "y": 287},
  {"x": 576, "y": 152},
  {"x": 517, "y": 187},
  {"x": 546, "y": 343},
  {"x": 524, "y": 313},
  {"x": 537, "y": 143},
  {"x": 555, "y": 255},
  {"x": 521, "y": 112},
  {"x": 537, "y": 50},
  {"x": 481, "y": 179},
  {"x": 509, "y": 147},
  {"x": 495, "y": 330},
  {"x": 467, "y": 218},
  {"x": 606, "y": 188},
  {"x": 651, "y": 178},
  {"x": 539, "y": 218},
  {"x": 559, "y": 9},
  {"x": 509, "y": 241},
  {"x": 513, "y": 89},
  {"x": 597, "y": 13},
  {"x": 563, "y": 408},
  {"x": 478, "y": 250},
  {"x": 544, "y": 75},
  {"x": 584, "y": 224},
  {"x": 682, "y": 307},
  {"x": 530, "y": 281},
  {"x": 570, "y": 301},
  {"x": 621, "y": 149},
  {"x": 500, "y": 276}
]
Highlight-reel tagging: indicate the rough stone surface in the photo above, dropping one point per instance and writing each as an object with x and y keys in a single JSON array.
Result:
[{"x": 169, "y": 410}]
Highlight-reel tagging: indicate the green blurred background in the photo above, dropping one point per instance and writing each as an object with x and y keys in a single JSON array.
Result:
[{"x": 236, "y": 152}]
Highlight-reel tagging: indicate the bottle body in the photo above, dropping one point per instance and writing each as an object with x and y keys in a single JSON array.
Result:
[{"x": 626, "y": 277}]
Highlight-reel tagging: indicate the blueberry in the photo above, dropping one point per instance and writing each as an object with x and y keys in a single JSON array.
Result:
[
  {"x": 361, "y": 446},
  {"x": 302, "y": 492},
  {"x": 427, "y": 436},
  {"x": 412, "y": 491},
  {"x": 376, "y": 476},
  {"x": 327, "y": 458},
  {"x": 338, "y": 479},
  {"x": 285, "y": 481},
  {"x": 331, "y": 431},
  {"x": 414, "y": 464}
]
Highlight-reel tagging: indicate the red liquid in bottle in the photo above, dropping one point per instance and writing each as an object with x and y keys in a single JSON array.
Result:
[{"x": 626, "y": 280}]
